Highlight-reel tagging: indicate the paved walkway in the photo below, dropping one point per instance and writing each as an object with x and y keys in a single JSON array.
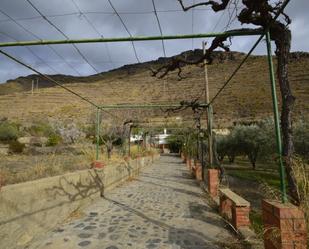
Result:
[{"x": 162, "y": 208}]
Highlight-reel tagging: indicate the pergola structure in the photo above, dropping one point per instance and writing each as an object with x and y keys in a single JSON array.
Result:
[{"x": 262, "y": 34}]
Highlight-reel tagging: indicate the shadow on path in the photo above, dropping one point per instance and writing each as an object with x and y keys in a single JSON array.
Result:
[{"x": 184, "y": 238}]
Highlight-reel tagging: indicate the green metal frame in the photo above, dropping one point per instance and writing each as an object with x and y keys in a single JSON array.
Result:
[
  {"x": 130, "y": 39},
  {"x": 276, "y": 117},
  {"x": 172, "y": 37},
  {"x": 97, "y": 133}
]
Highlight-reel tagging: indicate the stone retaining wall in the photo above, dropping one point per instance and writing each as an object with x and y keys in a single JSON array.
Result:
[{"x": 29, "y": 209}]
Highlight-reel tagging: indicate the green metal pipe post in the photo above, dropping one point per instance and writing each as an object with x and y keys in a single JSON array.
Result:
[
  {"x": 210, "y": 139},
  {"x": 129, "y": 39},
  {"x": 276, "y": 118},
  {"x": 97, "y": 134}
]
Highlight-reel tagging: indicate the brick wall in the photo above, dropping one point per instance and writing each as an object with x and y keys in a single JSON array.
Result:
[
  {"x": 237, "y": 215},
  {"x": 284, "y": 226}
]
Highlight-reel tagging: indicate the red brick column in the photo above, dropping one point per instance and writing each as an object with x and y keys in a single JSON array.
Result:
[
  {"x": 240, "y": 217},
  {"x": 198, "y": 171},
  {"x": 188, "y": 163},
  {"x": 213, "y": 182},
  {"x": 285, "y": 226},
  {"x": 193, "y": 167}
]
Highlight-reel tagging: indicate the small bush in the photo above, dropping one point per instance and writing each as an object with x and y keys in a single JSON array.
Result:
[
  {"x": 16, "y": 147},
  {"x": 70, "y": 132},
  {"x": 53, "y": 140},
  {"x": 300, "y": 170},
  {"x": 41, "y": 129},
  {"x": 8, "y": 132}
]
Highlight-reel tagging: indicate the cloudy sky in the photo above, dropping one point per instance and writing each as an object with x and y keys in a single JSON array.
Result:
[{"x": 22, "y": 20}]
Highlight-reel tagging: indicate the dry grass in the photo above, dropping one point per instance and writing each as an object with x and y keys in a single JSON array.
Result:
[
  {"x": 22, "y": 168},
  {"x": 301, "y": 173},
  {"x": 137, "y": 151}
]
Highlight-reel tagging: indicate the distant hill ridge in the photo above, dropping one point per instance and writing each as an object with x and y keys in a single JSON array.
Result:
[
  {"x": 24, "y": 83},
  {"x": 246, "y": 98}
]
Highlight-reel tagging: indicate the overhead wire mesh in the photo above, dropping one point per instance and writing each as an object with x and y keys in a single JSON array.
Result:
[
  {"x": 155, "y": 11},
  {"x": 36, "y": 37},
  {"x": 126, "y": 28},
  {"x": 51, "y": 18},
  {"x": 62, "y": 33}
]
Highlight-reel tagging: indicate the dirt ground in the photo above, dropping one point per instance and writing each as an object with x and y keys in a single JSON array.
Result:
[{"x": 249, "y": 190}]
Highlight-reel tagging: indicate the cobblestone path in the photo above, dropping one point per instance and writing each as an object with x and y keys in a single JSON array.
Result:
[{"x": 162, "y": 208}]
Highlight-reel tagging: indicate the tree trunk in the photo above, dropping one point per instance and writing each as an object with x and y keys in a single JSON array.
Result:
[
  {"x": 221, "y": 157},
  {"x": 231, "y": 158},
  {"x": 253, "y": 162},
  {"x": 109, "y": 148},
  {"x": 282, "y": 37}
]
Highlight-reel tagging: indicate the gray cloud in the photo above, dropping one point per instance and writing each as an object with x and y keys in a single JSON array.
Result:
[{"x": 49, "y": 59}]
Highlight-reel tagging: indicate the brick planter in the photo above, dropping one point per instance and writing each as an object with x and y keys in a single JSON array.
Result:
[
  {"x": 97, "y": 165},
  {"x": 213, "y": 182},
  {"x": 234, "y": 208},
  {"x": 285, "y": 226}
]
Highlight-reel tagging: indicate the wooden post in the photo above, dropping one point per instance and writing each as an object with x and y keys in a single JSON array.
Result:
[
  {"x": 129, "y": 141},
  {"x": 37, "y": 84},
  {"x": 209, "y": 111}
]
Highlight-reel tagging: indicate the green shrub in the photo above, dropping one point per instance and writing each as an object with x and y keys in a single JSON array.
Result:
[
  {"x": 16, "y": 147},
  {"x": 53, "y": 140},
  {"x": 8, "y": 132},
  {"x": 41, "y": 129}
]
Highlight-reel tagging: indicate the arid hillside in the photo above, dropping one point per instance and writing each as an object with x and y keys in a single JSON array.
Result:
[{"x": 248, "y": 96}]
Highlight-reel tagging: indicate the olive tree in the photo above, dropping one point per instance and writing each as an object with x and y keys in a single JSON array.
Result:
[{"x": 253, "y": 141}]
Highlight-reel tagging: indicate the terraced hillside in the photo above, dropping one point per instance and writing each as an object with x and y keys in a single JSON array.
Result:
[{"x": 247, "y": 97}]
